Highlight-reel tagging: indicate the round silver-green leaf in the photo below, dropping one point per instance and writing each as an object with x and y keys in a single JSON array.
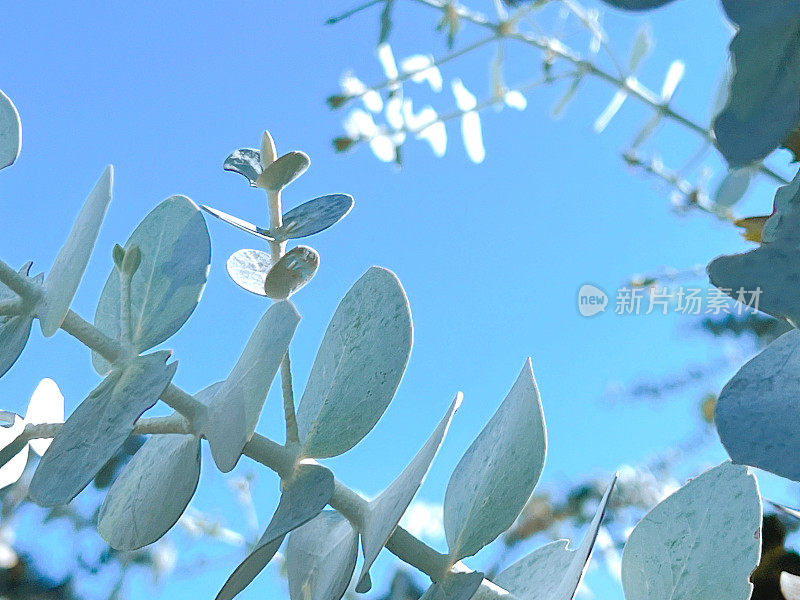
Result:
[
  {"x": 283, "y": 171},
  {"x": 10, "y": 132},
  {"x": 248, "y": 268},
  {"x": 358, "y": 366},
  {"x": 152, "y": 492},
  {"x": 246, "y": 162},
  {"x": 315, "y": 215},
  {"x": 292, "y": 271},
  {"x": 98, "y": 427},
  {"x": 176, "y": 253},
  {"x": 14, "y": 329},
  {"x": 700, "y": 542}
]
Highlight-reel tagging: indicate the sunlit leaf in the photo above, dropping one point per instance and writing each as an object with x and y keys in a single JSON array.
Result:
[
  {"x": 14, "y": 452},
  {"x": 673, "y": 78},
  {"x": 283, "y": 171},
  {"x": 321, "y": 557},
  {"x": 315, "y": 215},
  {"x": 98, "y": 427},
  {"x": 46, "y": 406},
  {"x": 358, "y": 366},
  {"x": 790, "y": 586},
  {"x": 10, "y": 132},
  {"x": 495, "y": 477},
  {"x": 176, "y": 253},
  {"x": 292, "y": 271},
  {"x": 386, "y": 510},
  {"x": 608, "y": 113},
  {"x": 246, "y": 162},
  {"x": 14, "y": 329},
  {"x": 756, "y": 410},
  {"x": 64, "y": 277},
  {"x": 303, "y": 498},
  {"x": 642, "y": 46},
  {"x": 733, "y": 187},
  {"x": 700, "y": 542},
  {"x": 249, "y": 268},
  {"x": 764, "y": 101},
  {"x": 151, "y": 493},
  {"x": 454, "y": 586},
  {"x": 235, "y": 405},
  {"x": 240, "y": 223}
]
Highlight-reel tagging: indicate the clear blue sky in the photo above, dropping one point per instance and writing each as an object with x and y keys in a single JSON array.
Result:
[{"x": 491, "y": 255}]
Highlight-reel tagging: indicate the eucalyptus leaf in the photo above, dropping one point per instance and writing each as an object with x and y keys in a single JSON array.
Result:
[
  {"x": 10, "y": 132},
  {"x": 283, "y": 171},
  {"x": 358, "y": 367},
  {"x": 304, "y": 496},
  {"x": 314, "y": 216},
  {"x": 757, "y": 409},
  {"x": 235, "y": 405},
  {"x": 454, "y": 586},
  {"x": 13, "y": 452},
  {"x": 637, "y": 4},
  {"x": 674, "y": 552},
  {"x": 98, "y": 427},
  {"x": 495, "y": 477},
  {"x": 642, "y": 46},
  {"x": 291, "y": 272},
  {"x": 551, "y": 572},
  {"x": 387, "y": 509},
  {"x": 249, "y": 268},
  {"x": 772, "y": 270},
  {"x": 792, "y": 512},
  {"x": 14, "y": 329},
  {"x": 321, "y": 557},
  {"x": 246, "y": 162},
  {"x": 790, "y": 586},
  {"x": 151, "y": 493},
  {"x": 733, "y": 187},
  {"x": 176, "y": 253},
  {"x": 64, "y": 278},
  {"x": 764, "y": 101},
  {"x": 263, "y": 234}
]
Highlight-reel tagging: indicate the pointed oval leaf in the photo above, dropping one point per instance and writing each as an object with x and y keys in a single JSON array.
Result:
[
  {"x": 388, "y": 508},
  {"x": 455, "y": 586},
  {"x": 764, "y": 100},
  {"x": 14, "y": 452},
  {"x": 358, "y": 366},
  {"x": 757, "y": 409},
  {"x": 284, "y": 171},
  {"x": 14, "y": 329},
  {"x": 98, "y": 427},
  {"x": 303, "y": 498},
  {"x": 246, "y": 162},
  {"x": 176, "y": 254},
  {"x": 63, "y": 279},
  {"x": 268, "y": 152},
  {"x": 249, "y": 268},
  {"x": 292, "y": 271},
  {"x": 10, "y": 132},
  {"x": 235, "y": 405},
  {"x": 151, "y": 493},
  {"x": 674, "y": 552},
  {"x": 239, "y": 223},
  {"x": 315, "y": 215},
  {"x": 493, "y": 480},
  {"x": 321, "y": 557},
  {"x": 46, "y": 406}
]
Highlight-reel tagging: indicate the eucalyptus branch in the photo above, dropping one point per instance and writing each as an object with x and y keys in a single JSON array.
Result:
[
  {"x": 279, "y": 458},
  {"x": 630, "y": 85},
  {"x": 339, "y": 101},
  {"x": 11, "y": 307}
]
